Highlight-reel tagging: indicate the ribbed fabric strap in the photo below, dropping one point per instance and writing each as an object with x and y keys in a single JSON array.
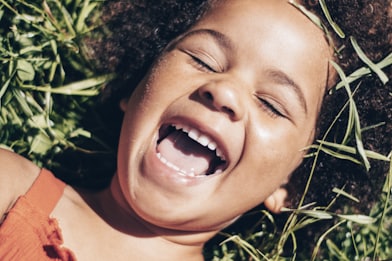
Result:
[{"x": 46, "y": 191}]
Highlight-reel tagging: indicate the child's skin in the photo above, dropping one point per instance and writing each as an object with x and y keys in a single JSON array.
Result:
[{"x": 251, "y": 76}]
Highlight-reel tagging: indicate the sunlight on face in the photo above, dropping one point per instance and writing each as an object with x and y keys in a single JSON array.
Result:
[{"x": 219, "y": 123}]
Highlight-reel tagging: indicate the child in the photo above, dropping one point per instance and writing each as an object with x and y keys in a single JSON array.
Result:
[{"x": 228, "y": 95}]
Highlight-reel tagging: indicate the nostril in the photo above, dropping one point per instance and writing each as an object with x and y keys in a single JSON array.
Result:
[
  {"x": 208, "y": 96},
  {"x": 229, "y": 111}
]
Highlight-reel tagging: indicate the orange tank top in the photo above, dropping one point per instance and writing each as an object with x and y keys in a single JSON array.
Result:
[{"x": 28, "y": 233}]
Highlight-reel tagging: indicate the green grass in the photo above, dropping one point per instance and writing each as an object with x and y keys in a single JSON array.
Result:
[
  {"x": 46, "y": 82},
  {"x": 48, "y": 87}
]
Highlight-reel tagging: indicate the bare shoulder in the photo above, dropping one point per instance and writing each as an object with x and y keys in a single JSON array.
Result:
[{"x": 16, "y": 176}]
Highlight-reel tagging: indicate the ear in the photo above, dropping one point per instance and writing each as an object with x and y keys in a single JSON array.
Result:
[
  {"x": 123, "y": 104},
  {"x": 276, "y": 200}
]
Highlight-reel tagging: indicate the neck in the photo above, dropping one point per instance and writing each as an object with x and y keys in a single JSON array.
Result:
[{"x": 113, "y": 209}]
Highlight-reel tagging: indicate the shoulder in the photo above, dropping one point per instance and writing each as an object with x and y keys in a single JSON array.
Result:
[{"x": 16, "y": 176}]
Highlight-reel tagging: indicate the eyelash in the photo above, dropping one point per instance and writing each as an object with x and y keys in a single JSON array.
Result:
[
  {"x": 269, "y": 108},
  {"x": 201, "y": 65}
]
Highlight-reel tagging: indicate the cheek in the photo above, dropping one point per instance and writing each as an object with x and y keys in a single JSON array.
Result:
[{"x": 278, "y": 148}]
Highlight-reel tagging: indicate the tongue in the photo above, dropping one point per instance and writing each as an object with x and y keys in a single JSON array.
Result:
[{"x": 185, "y": 153}]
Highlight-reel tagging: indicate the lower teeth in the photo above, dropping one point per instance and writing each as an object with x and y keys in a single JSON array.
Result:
[{"x": 183, "y": 172}]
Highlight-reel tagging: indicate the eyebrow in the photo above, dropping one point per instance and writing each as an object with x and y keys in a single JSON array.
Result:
[
  {"x": 282, "y": 78},
  {"x": 218, "y": 37}
]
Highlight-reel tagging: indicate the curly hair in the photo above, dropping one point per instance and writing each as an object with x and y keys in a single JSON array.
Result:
[
  {"x": 369, "y": 22},
  {"x": 139, "y": 30}
]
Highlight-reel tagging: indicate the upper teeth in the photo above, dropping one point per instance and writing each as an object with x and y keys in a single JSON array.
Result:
[{"x": 201, "y": 138}]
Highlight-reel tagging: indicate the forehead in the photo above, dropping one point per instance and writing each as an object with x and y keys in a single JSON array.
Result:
[
  {"x": 270, "y": 25},
  {"x": 253, "y": 9},
  {"x": 278, "y": 15}
]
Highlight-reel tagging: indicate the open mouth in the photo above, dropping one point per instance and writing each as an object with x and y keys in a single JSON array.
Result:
[{"x": 189, "y": 152}]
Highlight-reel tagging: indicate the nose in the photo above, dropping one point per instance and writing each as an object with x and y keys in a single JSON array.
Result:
[{"x": 223, "y": 97}]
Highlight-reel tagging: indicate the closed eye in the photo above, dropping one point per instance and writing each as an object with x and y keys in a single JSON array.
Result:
[
  {"x": 271, "y": 109},
  {"x": 201, "y": 65}
]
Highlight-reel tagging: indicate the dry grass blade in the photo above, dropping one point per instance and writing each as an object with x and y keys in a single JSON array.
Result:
[
  {"x": 363, "y": 71},
  {"x": 345, "y": 194},
  {"x": 383, "y": 77},
  {"x": 347, "y": 149},
  {"x": 353, "y": 121},
  {"x": 334, "y": 26}
]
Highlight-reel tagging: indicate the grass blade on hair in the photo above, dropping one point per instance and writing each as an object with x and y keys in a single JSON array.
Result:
[
  {"x": 383, "y": 77},
  {"x": 334, "y": 25},
  {"x": 353, "y": 123},
  {"x": 363, "y": 71}
]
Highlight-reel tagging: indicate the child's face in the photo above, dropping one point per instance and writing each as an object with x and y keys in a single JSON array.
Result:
[{"x": 247, "y": 79}]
